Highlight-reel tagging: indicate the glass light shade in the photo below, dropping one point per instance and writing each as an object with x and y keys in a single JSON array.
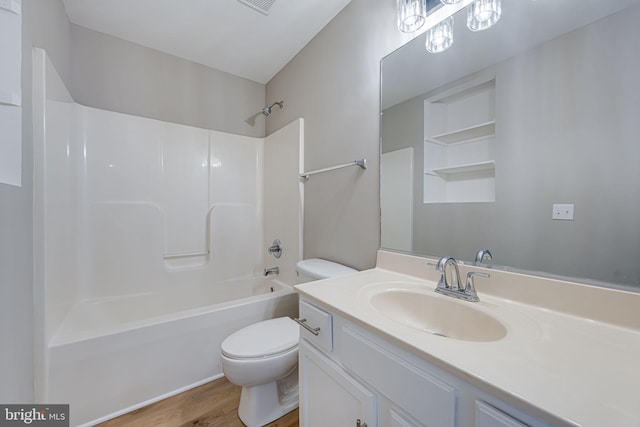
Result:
[
  {"x": 450, "y": 1},
  {"x": 411, "y": 14},
  {"x": 440, "y": 37},
  {"x": 482, "y": 14}
]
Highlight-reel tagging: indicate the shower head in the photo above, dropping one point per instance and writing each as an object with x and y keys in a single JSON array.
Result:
[{"x": 267, "y": 110}]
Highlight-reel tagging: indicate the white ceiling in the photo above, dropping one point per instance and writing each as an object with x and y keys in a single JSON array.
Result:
[{"x": 223, "y": 34}]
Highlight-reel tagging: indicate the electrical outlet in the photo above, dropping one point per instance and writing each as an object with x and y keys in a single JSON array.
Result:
[{"x": 562, "y": 212}]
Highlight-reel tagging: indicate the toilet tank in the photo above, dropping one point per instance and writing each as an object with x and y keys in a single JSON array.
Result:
[{"x": 316, "y": 268}]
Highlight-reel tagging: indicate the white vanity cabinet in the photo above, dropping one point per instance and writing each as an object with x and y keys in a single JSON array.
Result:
[
  {"x": 350, "y": 374},
  {"x": 329, "y": 396},
  {"x": 488, "y": 416}
]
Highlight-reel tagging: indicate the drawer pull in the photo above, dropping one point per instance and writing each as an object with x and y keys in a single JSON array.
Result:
[{"x": 302, "y": 322}]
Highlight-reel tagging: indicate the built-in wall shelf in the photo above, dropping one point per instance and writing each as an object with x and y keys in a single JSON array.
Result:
[
  {"x": 14, "y": 6},
  {"x": 10, "y": 99},
  {"x": 481, "y": 130},
  {"x": 11, "y": 92},
  {"x": 459, "y": 143},
  {"x": 449, "y": 171}
]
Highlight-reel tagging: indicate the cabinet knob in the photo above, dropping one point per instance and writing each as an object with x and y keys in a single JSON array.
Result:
[{"x": 360, "y": 423}]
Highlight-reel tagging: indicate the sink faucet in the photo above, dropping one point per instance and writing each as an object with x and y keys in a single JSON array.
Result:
[
  {"x": 269, "y": 271},
  {"x": 482, "y": 256},
  {"x": 453, "y": 289},
  {"x": 444, "y": 278}
]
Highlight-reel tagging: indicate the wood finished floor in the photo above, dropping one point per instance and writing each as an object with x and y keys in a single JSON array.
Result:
[{"x": 214, "y": 404}]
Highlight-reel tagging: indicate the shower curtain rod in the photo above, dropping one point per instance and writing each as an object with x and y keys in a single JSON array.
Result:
[{"x": 362, "y": 163}]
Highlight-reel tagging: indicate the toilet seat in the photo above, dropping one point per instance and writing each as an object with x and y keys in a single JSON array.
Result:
[{"x": 262, "y": 339}]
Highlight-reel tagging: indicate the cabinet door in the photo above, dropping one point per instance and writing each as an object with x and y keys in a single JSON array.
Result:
[
  {"x": 329, "y": 396},
  {"x": 398, "y": 420},
  {"x": 488, "y": 416}
]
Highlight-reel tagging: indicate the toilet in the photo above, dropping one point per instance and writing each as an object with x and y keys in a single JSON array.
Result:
[{"x": 262, "y": 358}]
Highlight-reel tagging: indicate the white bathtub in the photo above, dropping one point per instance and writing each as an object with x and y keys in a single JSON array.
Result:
[{"x": 113, "y": 355}]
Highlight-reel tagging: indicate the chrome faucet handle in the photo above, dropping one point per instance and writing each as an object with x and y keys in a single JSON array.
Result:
[
  {"x": 440, "y": 266},
  {"x": 275, "y": 249},
  {"x": 482, "y": 256},
  {"x": 470, "y": 289}
]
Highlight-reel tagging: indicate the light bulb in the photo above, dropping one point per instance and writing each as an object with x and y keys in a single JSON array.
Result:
[
  {"x": 440, "y": 37},
  {"x": 411, "y": 14},
  {"x": 483, "y": 14}
]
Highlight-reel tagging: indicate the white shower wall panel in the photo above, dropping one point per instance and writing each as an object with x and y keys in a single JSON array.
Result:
[
  {"x": 184, "y": 195},
  {"x": 154, "y": 190},
  {"x": 284, "y": 196},
  {"x": 124, "y": 249},
  {"x": 236, "y": 169},
  {"x": 236, "y": 203},
  {"x": 123, "y": 157},
  {"x": 61, "y": 158}
]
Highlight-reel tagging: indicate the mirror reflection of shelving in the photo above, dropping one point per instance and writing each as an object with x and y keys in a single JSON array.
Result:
[
  {"x": 11, "y": 92},
  {"x": 459, "y": 144}
]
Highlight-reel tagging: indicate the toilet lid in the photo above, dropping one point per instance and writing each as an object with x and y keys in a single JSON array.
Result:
[
  {"x": 261, "y": 339},
  {"x": 317, "y": 268}
]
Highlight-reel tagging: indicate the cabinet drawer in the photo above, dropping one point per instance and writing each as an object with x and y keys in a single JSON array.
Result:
[
  {"x": 488, "y": 416},
  {"x": 424, "y": 397},
  {"x": 316, "y": 326}
]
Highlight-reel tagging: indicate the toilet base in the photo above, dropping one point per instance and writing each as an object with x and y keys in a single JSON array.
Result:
[{"x": 264, "y": 403}]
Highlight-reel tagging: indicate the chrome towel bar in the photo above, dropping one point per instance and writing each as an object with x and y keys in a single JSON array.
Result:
[{"x": 362, "y": 163}]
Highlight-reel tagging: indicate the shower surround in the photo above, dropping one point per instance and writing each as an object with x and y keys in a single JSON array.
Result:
[{"x": 150, "y": 242}]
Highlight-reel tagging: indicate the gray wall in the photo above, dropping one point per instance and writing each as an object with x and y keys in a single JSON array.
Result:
[
  {"x": 44, "y": 25},
  {"x": 117, "y": 75},
  {"x": 334, "y": 84}
]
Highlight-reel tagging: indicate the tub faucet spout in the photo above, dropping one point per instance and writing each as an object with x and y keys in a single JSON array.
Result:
[{"x": 269, "y": 271}]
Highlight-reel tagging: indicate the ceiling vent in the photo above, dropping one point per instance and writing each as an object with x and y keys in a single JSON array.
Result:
[{"x": 262, "y": 6}]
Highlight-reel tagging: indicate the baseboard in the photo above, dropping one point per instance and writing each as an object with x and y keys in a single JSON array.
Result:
[{"x": 150, "y": 401}]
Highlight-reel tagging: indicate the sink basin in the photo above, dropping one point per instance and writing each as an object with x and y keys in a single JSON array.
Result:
[{"x": 438, "y": 315}]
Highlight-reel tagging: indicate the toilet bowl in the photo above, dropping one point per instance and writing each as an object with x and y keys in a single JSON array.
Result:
[{"x": 262, "y": 358}]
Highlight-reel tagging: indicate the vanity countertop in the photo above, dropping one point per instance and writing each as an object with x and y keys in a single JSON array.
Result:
[{"x": 568, "y": 368}]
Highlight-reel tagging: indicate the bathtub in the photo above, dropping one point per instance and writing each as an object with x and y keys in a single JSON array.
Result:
[{"x": 113, "y": 355}]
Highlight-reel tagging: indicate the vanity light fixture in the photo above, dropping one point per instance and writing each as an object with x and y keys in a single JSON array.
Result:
[
  {"x": 411, "y": 14},
  {"x": 482, "y": 14},
  {"x": 440, "y": 37}
]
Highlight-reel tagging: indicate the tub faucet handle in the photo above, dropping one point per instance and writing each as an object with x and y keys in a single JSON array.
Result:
[{"x": 275, "y": 249}]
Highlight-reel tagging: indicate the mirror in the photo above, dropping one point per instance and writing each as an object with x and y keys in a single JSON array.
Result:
[{"x": 493, "y": 142}]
